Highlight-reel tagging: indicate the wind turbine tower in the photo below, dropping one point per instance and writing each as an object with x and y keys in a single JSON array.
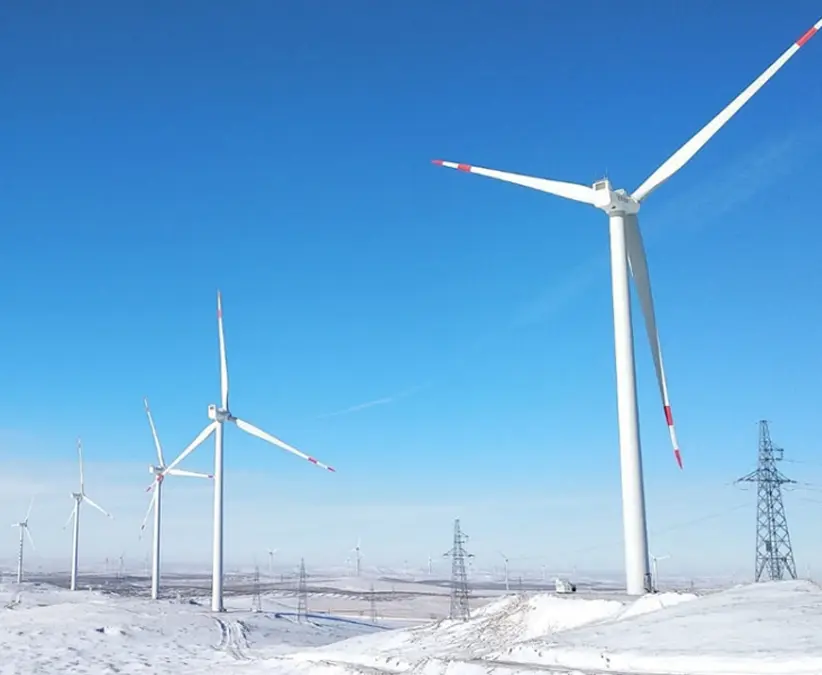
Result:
[
  {"x": 159, "y": 472},
  {"x": 628, "y": 251},
  {"x": 24, "y": 533},
  {"x": 79, "y": 498},
  {"x": 219, "y": 416}
]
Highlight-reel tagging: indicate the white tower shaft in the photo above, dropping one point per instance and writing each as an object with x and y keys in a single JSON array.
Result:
[
  {"x": 633, "y": 498},
  {"x": 20, "y": 556},
  {"x": 75, "y": 543},
  {"x": 217, "y": 553},
  {"x": 155, "y": 548}
]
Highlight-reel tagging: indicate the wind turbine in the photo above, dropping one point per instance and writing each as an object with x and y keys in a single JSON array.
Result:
[
  {"x": 271, "y": 553},
  {"x": 626, "y": 246},
  {"x": 79, "y": 498},
  {"x": 358, "y": 560},
  {"x": 219, "y": 415},
  {"x": 430, "y": 565},
  {"x": 655, "y": 560},
  {"x": 24, "y": 527},
  {"x": 155, "y": 502},
  {"x": 505, "y": 561}
]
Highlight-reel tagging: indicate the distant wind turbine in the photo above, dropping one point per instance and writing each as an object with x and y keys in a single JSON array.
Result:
[
  {"x": 271, "y": 553},
  {"x": 219, "y": 416},
  {"x": 79, "y": 498},
  {"x": 505, "y": 560},
  {"x": 155, "y": 502},
  {"x": 655, "y": 563},
  {"x": 358, "y": 559},
  {"x": 24, "y": 527}
]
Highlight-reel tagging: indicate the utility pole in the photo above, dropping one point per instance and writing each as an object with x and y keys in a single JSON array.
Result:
[
  {"x": 302, "y": 594},
  {"x": 459, "y": 579},
  {"x": 774, "y": 553}
]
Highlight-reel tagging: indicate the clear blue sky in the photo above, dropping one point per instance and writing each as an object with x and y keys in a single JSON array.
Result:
[{"x": 281, "y": 152}]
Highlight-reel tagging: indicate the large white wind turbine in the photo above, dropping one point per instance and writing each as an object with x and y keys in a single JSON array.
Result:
[
  {"x": 219, "y": 415},
  {"x": 626, "y": 246},
  {"x": 79, "y": 498},
  {"x": 156, "y": 501},
  {"x": 24, "y": 527}
]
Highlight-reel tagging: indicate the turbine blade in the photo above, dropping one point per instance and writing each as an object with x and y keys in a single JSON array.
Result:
[
  {"x": 681, "y": 157},
  {"x": 98, "y": 507},
  {"x": 71, "y": 515},
  {"x": 154, "y": 434},
  {"x": 31, "y": 540},
  {"x": 223, "y": 363},
  {"x": 205, "y": 433},
  {"x": 639, "y": 271},
  {"x": 28, "y": 513},
  {"x": 259, "y": 433},
  {"x": 192, "y": 474},
  {"x": 579, "y": 193},
  {"x": 151, "y": 503},
  {"x": 80, "y": 455}
]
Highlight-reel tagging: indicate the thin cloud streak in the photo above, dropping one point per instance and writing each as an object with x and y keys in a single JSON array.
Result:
[{"x": 376, "y": 402}]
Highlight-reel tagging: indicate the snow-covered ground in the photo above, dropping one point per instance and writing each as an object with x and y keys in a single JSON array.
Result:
[{"x": 772, "y": 628}]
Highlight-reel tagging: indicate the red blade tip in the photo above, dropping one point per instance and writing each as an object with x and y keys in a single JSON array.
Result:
[
  {"x": 678, "y": 456},
  {"x": 807, "y": 36},
  {"x": 438, "y": 162}
]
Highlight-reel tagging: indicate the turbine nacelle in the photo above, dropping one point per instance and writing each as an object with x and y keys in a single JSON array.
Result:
[
  {"x": 155, "y": 470},
  {"x": 77, "y": 496},
  {"x": 613, "y": 201},
  {"x": 218, "y": 414}
]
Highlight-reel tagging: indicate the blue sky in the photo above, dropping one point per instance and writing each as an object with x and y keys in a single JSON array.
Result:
[{"x": 281, "y": 152}]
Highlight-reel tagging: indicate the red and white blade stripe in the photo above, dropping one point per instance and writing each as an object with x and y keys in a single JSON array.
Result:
[
  {"x": 639, "y": 271},
  {"x": 264, "y": 435},
  {"x": 682, "y": 156},
  {"x": 579, "y": 193}
]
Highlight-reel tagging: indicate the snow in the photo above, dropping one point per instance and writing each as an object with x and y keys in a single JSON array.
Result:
[{"x": 762, "y": 629}]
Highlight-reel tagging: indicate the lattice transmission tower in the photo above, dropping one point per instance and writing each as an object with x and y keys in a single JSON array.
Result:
[
  {"x": 459, "y": 579},
  {"x": 302, "y": 593},
  {"x": 774, "y": 554},
  {"x": 256, "y": 597}
]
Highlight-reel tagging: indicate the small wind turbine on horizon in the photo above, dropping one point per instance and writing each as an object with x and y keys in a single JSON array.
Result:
[
  {"x": 505, "y": 561},
  {"x": 358, "y": 557},
  {"x": 155, "y": 503},
  {"x": 655, "y": 563},
  {"x": 627, "y": 250},
  {"x": 24, "y": 528},
  {"x": 79, "y": 498},
  {"x": 271, "y": 553},
  {"x": 219, "y": 415}
]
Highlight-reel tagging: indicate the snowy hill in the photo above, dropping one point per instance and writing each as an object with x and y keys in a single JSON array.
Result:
[{"x": 763, "y": 629}]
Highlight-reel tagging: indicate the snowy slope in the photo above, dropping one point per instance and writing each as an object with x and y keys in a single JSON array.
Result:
[
  {"x": 764, "y": 629},
  {"x": 771, "y": 628}
]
